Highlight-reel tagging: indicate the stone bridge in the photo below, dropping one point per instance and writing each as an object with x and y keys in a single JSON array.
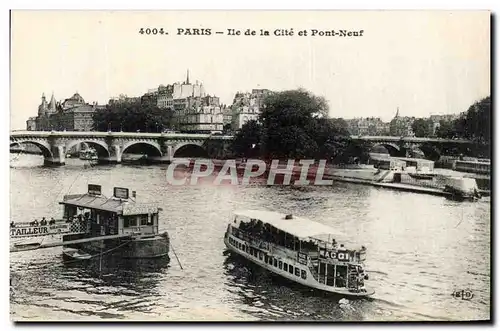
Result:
[
  {"x": 110, "y": 146},
  {"x": 164, "y": 147},
  {"x": 432, "y": 148}
]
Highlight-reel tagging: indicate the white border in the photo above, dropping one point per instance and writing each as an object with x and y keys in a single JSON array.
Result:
[{"x": 146, "y": 5}]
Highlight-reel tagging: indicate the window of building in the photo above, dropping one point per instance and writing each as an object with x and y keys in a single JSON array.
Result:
[{"x": 144, "y": 219}]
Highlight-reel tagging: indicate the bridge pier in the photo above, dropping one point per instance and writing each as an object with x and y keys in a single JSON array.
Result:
[
  {"x": 58, "y": 157},
  {"x": 115, "y": 155}
]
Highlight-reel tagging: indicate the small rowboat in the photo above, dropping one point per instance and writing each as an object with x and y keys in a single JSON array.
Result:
[{"x": 77, "y": 254}]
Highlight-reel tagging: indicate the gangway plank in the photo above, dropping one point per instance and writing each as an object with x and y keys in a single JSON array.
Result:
[{"x": 32, "y": 247}]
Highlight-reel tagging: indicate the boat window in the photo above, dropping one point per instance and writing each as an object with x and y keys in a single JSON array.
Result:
[
  {"x": 129, "y": 221},
  {"x": 303, "y": 274},
  {"x": 153, "y": 220},
  {"x": 251, "y": 250},
  {"x": 280, "y": 264},
  {"x": 340, "y": 276},
  {"x": 285, "y": 266},
  {"x": 275, "y": 263},
  {"x": 266, "y": 259},
  {"x": 297, "y": 272},
  {"x": 247, "y": 249},
  {"x": 290, "y": 269},
  {"x": 261, "y": 256},
  {"x": 144, "y": 219}
]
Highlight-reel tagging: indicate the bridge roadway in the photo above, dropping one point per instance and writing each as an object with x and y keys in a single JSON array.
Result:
[{"x": 162, "y": 147}]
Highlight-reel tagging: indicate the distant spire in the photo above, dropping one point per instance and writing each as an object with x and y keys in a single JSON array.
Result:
[
  {"x": 397, "y": 112},
  {"x": 187, "y": 78},
  {"x": 52, "y": 104}
]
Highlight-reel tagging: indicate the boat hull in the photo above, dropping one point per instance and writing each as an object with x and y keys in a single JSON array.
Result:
[
  {"x": 291, "y": 277},
  {"x": 144, "y": 247}
]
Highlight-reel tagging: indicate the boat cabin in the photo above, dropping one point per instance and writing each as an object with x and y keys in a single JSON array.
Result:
[{"x": 94, "y": 214}]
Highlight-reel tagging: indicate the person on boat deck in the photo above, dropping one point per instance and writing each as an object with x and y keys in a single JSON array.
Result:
[
  {"x": 342, "y": 248},
  {"x": 12, "y": 225},
  {"x": 43, "y": 221},
  {"x": 52, "y": 221},
  {"x": 35, "y": 223},
  {"x": 340, "y": 281},
  {"x": 334, "y": 243}
]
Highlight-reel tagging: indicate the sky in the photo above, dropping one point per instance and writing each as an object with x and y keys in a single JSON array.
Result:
[{"x": 424, "y": 62}]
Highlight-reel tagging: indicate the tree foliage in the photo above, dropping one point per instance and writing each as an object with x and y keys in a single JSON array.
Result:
[
  {"x": 292, "y": 125},
  {"x": 474, "y": 124},
  {"x": 422, "y": 127},
  {"x": 247, "y": 140},
  {"x": 131, "y": 117}
]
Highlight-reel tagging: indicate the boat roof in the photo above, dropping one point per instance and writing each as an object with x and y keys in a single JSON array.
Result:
[
  {"x": 99, "y": 202},
  {"x": 298, "y": 226}
]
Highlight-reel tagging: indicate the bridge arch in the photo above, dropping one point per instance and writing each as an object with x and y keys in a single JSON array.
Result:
[
  {"x": 430, "y": 151},
  {"x": 100, "y": 147},
  {"x": 190, "y": 149},
  {"x": 392, "y": 149},
  {"x": 142, "y": 147},
  {"x": 42, "y": 145}
]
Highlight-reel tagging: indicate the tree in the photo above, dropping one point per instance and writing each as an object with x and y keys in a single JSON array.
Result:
[
  {"x": 132, "y": 116},
  {"x": 446, "y": 129},
  {"x": 226, "y": 128},
  {"x": 247, "y": 141},
  {"x": 476, "y": 124},
  {"x": 295, "y": 125},
  {"x": 422, "y": 127}
]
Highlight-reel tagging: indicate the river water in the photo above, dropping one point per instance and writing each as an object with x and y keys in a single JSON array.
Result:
[{"x": 421, "y": 248}]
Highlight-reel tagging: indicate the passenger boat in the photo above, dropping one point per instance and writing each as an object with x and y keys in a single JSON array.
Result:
[
  {"x": 88, "y": 155},
  {"x": 298, "y": 249},
  {"x": 93, "y": 224}
]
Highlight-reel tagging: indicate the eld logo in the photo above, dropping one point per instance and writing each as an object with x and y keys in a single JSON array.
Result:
[{"x": 463, "y": 294}]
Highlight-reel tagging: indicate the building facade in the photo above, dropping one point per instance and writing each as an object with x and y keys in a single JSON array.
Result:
[
  {"x": 401, "y": 126},
  {"x": 247, "y": 106},
  {"x": 370, "y": 126},
  {"x": 193, "y": 110},
  {"x": 72, "y": 114},
  {"x": 199, "y": 114}
]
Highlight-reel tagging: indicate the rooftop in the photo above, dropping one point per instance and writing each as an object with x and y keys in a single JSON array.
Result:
[
  {"x": 99, "y": 202},
  {"x": 298, "y": 226}
]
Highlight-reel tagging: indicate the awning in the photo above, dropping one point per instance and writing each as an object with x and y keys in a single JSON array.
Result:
[{"x": 297, "y": 226}]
